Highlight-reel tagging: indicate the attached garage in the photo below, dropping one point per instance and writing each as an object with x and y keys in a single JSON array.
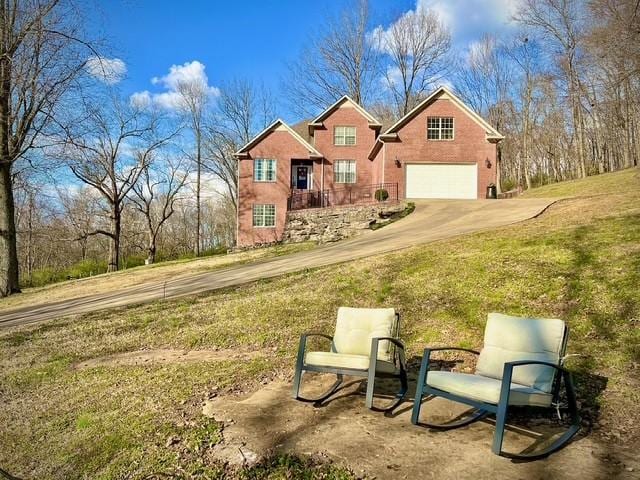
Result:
[{"x": 442, "y": 180}]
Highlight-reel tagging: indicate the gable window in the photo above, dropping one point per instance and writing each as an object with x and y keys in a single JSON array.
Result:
[
  {"x": 344, "y": 171},
  {"x": 264, "y": 170},
  {"x": 344, "y": 135},
  {"x": 440, "y": 128},
  {"x": 264, "y": 215}
]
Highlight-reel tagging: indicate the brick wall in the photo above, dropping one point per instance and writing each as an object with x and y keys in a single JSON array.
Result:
[
  {"x": 346, "y": 115},
  {"x": 281, "y": 146},
  {"x": 468, "y": 146}
]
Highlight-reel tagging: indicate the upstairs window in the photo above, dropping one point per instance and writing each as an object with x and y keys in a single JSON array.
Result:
[
  {"x": 264, "y": 215},
  {"x": 440, "y": 128},
  {"x": 344, "y": 135},
  {"x": 344, "y": 171},
  {"x": 264, "y": 170}
]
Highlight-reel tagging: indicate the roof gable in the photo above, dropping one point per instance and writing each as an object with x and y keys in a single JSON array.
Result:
[
  {"x": 491, "y": 133},
  {"x": 391, "y": 133},
  {"x": 277, "y": 125},
  {"x": 317, "y": 122}
]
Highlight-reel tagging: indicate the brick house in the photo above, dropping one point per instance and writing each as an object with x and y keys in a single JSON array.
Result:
[{"x": 440, "y": 149}]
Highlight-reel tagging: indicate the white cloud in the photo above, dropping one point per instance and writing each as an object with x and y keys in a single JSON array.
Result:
[
  {"x": 107, "y": 70},
  {"x": 466, "y": 19},
  {"x": 472, "y": 17},
  {"x": 141, "y": 99},
  {"x": 191, "y": 74}
]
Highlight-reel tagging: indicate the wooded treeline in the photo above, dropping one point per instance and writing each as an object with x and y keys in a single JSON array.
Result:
[{"x": 92, "y": 179}]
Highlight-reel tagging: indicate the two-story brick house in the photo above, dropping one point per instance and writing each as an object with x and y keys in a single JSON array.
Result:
[{"x": 440, "y": 149}]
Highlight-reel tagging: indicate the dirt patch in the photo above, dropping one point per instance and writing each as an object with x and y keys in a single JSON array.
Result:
[
  {"x": 378, "y": 446},
  {"x": 162, "y": 356}
]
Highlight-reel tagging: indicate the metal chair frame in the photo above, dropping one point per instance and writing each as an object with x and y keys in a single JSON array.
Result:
[
  {"x": 562, "y": 375},
  {"x": 371, "y": 374}
]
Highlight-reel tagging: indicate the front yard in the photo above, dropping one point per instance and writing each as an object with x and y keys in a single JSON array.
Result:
[{"x": 141, "y": 418}]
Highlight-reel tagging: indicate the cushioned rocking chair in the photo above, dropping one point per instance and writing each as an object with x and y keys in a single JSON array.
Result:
[
  {"x": 365, "y": 344},
  {"x": 521, "y": 364}
]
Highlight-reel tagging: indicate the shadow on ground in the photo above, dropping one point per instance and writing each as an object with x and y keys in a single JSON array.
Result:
[{"x": 388, "y": 446}]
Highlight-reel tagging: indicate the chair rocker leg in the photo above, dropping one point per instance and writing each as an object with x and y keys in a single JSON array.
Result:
[
  {"x": 565, "y": 438},
  {"x": 478, "y": 414},
  {"x": 324, "y": 396},
  {"x": 554, "y": 447},
  {"x": 404, "y": 387}
]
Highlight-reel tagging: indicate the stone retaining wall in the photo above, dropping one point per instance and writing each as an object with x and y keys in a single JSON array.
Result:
[{"x": 331, "y": 224}]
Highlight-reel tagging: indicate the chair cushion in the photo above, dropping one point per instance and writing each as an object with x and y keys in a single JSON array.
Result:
[
  {"x": 342, "y": 360},
  {"x": 507, "y": 339},
  {"x": 485, "y": 389},
  {"x": 355, "y": 327}
]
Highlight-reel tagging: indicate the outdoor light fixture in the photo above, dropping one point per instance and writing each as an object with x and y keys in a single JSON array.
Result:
[
  {"x": 398, "y": 163},
  {"x": 487, "y": 162}
]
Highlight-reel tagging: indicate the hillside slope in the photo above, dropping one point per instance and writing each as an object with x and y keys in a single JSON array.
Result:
[{"x": 579, "y": 261}]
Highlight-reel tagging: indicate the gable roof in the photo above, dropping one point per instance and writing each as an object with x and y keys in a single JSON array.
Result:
[
  {"x": 317, "y": 122},
  {"x": 392, "y": 132},
  {"x": 243, "y": 152}
]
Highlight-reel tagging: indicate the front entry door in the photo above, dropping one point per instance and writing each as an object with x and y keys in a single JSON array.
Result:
[{"x": 302, "y": 178}]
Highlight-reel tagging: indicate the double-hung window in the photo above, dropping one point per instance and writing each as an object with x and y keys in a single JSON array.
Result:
[
  {"x": 440, "y": 128},
  {"x": 344, "y": 171},
  {"x": 264, "y": 215},
  {"x": 344, "y": 135},
  {"x": 264, "y": 170}
]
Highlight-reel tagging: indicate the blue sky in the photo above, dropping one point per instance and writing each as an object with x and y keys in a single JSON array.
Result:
[{"x": 251, "y": 39}]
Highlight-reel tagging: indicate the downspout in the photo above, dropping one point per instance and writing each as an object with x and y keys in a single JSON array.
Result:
[
  {"x": 238, "y": 200},
  {"x": 384, "y": 157},
  {"x": 322, "y": 182}
]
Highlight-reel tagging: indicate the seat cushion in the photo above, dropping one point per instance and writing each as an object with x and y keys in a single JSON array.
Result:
[
  {"x": 343, "y": 360},
  {"x": 355, "y": 327},
  {"x": 485, "y": 389},
  {"x": 509, "y": 339}
]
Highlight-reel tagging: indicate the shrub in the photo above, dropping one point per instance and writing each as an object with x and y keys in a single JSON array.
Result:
[{"x": 381, "y": 195}]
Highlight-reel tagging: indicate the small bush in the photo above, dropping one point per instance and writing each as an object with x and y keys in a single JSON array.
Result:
[{"x": 381, "y": 195}]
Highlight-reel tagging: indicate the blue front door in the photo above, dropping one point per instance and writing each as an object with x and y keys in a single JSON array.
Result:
[{"x": 302, "y": 178}]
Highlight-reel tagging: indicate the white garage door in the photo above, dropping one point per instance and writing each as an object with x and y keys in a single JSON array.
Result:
[{"x": 442, "y": 180}]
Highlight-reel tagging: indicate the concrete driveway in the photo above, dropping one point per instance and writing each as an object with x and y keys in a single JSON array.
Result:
[{"x": 432, "y": 220}]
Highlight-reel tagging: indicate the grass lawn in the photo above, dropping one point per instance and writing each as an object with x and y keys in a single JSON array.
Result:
[{"x": 579, "y": 261}]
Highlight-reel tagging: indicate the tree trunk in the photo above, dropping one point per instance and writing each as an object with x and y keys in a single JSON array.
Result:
[
  {"x": 198, "y": 175},
  {"x": 151, "y": 249},
  {"x": 114, "y": 239},
  {"x": 8, "y": 251}
]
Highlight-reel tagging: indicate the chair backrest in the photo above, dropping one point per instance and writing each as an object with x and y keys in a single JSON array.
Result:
[
  {"x": 507, "y": 339},
  {"x": 355, "y": 327}
]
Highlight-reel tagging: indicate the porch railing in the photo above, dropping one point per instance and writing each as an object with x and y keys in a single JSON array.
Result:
[{"x": 355, "y": 195}]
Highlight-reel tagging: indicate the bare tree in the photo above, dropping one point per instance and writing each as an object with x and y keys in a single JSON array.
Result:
[
  {"x": 155, "y": 197},
  {"x": 484, "y": 80},
  {"x": 110, "y": 153},
  {"x": 561, "y": 24},
  {"x": 242, "y": 110},
  {"x": 81, "y": 210},
  {"x": 195, "y": 96},
  {"x": 40, "y": 57},
  {"x": 416, "y": 47},
  {"x": 340, "y": 60}
]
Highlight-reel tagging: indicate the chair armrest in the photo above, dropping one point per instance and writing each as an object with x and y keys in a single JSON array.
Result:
[
  {"x": 426, "y": 358},
  {"x": 315, "y": 334},
  {"x": 428, "y": 350},
  {"x": 508, "y": 366},
  {"x": 507, "y": 375},
  {"x": 373, "y": 357},
  {"x": 396, "y": 341},
  {"x": 303, "y": 344}
]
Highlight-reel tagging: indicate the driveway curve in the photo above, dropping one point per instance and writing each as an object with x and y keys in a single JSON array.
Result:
[{"x": 432, "y": 220}]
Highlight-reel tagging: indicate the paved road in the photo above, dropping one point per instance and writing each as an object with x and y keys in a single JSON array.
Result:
[{"x": 432, "y": 220}]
